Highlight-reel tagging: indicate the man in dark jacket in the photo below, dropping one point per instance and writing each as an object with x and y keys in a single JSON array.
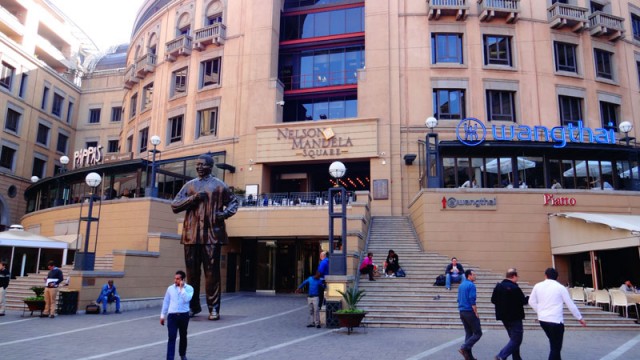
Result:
[
  {"x": 454, "y": 273},
  {"x": 509, "y": 301},
  {"x": 5, "y": 276},
  {"x": 53, "y": 280}
]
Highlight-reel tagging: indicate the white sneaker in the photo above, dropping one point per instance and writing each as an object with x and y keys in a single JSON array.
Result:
[{"x": 393, "y": 275}]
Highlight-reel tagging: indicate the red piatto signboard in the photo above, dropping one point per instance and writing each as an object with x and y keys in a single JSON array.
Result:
[{"x": 551, "y": 200}]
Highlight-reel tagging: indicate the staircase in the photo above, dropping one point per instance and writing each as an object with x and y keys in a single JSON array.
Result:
[
  {"x": 413, "y": 301},
  {"x": 20, "y": 287}
]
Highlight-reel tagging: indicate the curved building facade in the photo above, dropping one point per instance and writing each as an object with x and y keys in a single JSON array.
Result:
[{"x": 535, "y": 107}]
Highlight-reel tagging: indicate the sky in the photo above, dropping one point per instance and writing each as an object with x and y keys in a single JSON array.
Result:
[{"x": 106, "y": 22}]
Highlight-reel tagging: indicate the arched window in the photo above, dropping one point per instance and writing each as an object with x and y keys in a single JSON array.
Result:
[
  {"x": 213, "y": 13},
  {"x": 153, "y": 44},
  {"x": 184, "y": 25}
]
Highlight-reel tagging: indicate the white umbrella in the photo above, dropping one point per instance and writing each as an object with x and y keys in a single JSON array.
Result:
[
  {"x": 627, "y": 174},
  {"x": 505, "y": 165},
  {"x": 594, "y": 169}
]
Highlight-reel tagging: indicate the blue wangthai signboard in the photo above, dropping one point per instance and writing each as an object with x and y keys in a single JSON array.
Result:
[{"x": 473, "y": 132}]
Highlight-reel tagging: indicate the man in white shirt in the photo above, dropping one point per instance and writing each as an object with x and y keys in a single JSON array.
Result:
[
  {"x": 628, "y": 287},
  {"x": 175, "y": 308},
  {"x": 546, "y": 299}
]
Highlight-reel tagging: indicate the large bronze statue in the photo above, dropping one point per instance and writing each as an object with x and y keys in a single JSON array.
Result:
[{"x": 208, "y": 202}]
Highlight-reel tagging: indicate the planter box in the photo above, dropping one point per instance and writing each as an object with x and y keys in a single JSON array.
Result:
[
  {"x": 34, "y": 305},
  {"x": 350, "y": 320}
]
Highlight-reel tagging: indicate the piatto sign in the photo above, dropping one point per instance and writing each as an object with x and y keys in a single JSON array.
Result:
[{"x": 552, "y": 200}]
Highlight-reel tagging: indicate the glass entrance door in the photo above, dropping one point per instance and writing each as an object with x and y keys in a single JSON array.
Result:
[{"x": 266, "y": 260}]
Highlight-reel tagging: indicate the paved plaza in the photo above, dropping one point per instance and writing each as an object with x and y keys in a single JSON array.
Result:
[{"x": 273, "y": 327}]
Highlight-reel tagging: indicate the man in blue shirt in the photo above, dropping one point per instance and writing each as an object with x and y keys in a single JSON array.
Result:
[
  {"x": 323, "y": 270},
  {"x": 108, "y": 295},
  {"x": 175, "y": 308},
  {"x": 469, "y": 314},
  {"x": 315, "y": 287}
]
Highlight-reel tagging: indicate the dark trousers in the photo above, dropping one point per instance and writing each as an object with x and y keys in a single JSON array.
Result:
[
  {"x": 555, "y": 333},
  {"x": 515, "y": 331},
  {"x": 207, "y": 257},
  {"x": 472, "y": 329},
  {"x": 177, "y": 323},
  {"x": 368, "y": 270}
]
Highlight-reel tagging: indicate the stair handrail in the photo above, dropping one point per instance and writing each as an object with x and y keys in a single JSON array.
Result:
[{"x": 361, "y": 254}]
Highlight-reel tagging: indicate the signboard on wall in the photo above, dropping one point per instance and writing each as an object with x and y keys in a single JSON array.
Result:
[
  {"x": 461, "y": 202},
  {"x": 380, "y": 189},
  {"x": 87, "y": 157}
]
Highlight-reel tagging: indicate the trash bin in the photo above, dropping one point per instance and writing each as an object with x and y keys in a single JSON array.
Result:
[
  {"x": 332, "y": 306},
  {"x": 68, "y": 302}
]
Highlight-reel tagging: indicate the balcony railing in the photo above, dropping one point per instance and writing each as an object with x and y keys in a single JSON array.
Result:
[
  {"x": 457, "y": 8},
  {"x": 145, "y": 64},
  {"x": 130, "y": 78},
  {"x": 179, "y": 46},
  {"x": 562, "y": 14},
  {"x": 603, "y": 24},
  {"x": 509, "y": 9},
  {"x": 212, "y": 34},
  {"x": 315, "y": 198},
  {"x": 309, "y": 81}
]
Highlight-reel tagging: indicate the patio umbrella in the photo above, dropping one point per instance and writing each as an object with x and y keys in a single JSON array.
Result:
[
  {"x": 505, "y": 165},
  {"x": 594, "y": 169}
]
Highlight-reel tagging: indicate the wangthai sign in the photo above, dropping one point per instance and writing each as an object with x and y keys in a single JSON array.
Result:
[
  {"x": 468, "y": 203},
  {"x": 87, "y": 157},
  {"x": 473, "y": 132}
]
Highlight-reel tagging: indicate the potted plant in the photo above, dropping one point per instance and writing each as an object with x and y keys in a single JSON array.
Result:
[
  {"x": 35, "y": 303},
  {"x": 351, "y": 316}
]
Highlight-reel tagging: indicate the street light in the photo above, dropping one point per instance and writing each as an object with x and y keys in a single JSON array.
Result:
[
  {"x": 85, "y": 260},
  {"x": 35, "y": 179},
  {"x": 626, "y": 127},
  {"x": 432, "y": 159},
  {"x": 64, "y": 160},
  {"x": 431, "y": 123},
  {"x": 155, "y": 141},
  {"x": 338, "y": 263}
]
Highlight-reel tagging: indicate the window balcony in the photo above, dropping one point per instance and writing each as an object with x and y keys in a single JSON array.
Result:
[
  {"x": 212, "y": 34},
  {"x": 602, "y": 24},
  {"x": 145, "y": 64},
  {"x": 130, "y": 78},
  {"x": 457, "y": 8},
  {"x": 179, "y": 46},
  {"x": 561, "y": 15},
  {"x": 489, "y": 9}
]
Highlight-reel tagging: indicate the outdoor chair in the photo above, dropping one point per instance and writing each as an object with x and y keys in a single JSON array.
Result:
[
  {"x": 602, "y": 297},
  {"x": 619, "y": 299},
  {"x": 577, "y": 293},
  {"x": 589, "y": 295}
]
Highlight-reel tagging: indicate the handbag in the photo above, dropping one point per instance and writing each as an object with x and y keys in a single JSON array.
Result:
[{"x": 401, "y": 273}]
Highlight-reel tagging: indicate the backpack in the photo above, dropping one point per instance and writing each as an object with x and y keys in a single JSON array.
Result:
[
  {"x": 401, "y": 273},
  {"x": 441, "y": 280}
]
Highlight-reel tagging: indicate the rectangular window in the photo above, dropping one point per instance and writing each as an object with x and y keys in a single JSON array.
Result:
[
  {"x": 7, "y": 157},
  {"x": 214, "y": 19},
  {"x": 609, "y": 115},
  {"x": 603, "y": 64},
  {"x": 449, "y": 103},
  {"x": 565, "y": 57},
  {"x": 39, "y": 167},
  {"x": 63, "y": 140},
  {"x": 179, "y": 82},
  {"x": 208, "y": 122},
  {"x": 42, "y": 137},
  {"x": 45, "y": 96},
  {"x": 594, "y": 7},
  {"x": 570, "y": 110},
  {"x": 116, "y": 114},
  {"x": 12, "y": 122},
  {"x": 501, "y": 105},
  {"x": 23, "y": 84},
  {"x": 147, "y": 97},
  {"x": 210, "y": 72},
  {"x": 94, "y": 116},
  {"x": 130, "y": 143},
  {"x": 56, "y": 107},
  {"x": 497, "y": 50},
  {"x": 144, "y": 139},
  {"x": 446, "y": 48},
  {"x": 635, "y": 26},
  {"x": 90, "y": 144},
  {"x": 175, "y": 126},
  {"x": 69, "y": 112},
  {"x": 6, "y": 75},
  {"x": 113, "y": 146},
  {"x": 133, "y": 104}
]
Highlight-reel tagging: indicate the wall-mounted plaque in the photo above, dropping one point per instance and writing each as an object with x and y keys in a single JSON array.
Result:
[{"x": 381, "y": 189}]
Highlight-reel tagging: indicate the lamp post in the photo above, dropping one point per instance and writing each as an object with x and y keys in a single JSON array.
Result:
[
  {"x": 626, "y": 127},
  {"x": 64, "y": 160},
  {"x": 155, "y": 141},
  {"x": 85, "y": 260},
  {"x": 432, "y": 168},
  {"x": 35, "y": 179},
  {"x": 338, "y": 263}
]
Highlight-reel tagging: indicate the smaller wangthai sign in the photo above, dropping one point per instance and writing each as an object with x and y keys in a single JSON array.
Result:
[{"x": 469, "y": 203}]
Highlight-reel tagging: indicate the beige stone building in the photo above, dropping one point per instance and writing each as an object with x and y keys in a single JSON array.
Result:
[{"x": 520, "y": 96}]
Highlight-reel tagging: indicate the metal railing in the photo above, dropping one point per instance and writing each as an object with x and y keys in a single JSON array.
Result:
[
  {"x": 307, "y": 81},
  {"x": 314, "y": 198}
]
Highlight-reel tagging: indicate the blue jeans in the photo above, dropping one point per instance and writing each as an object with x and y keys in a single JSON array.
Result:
[
  {"x": 455, "y": 279},
  {"x": 105, "y": 301},
  {"x": 177, "y": 323},
  {"x": 555, "y": 333},
  {"x": 472, "y": 329},
  {"x": 515, "y": 331}
]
